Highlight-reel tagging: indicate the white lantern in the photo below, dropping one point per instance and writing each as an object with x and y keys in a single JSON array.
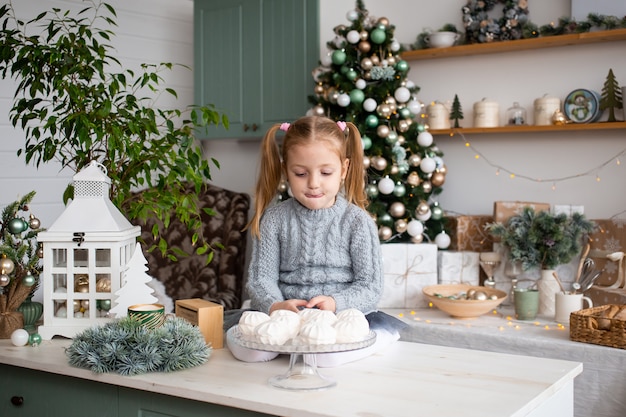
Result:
[{"x": 85, "y": 253}]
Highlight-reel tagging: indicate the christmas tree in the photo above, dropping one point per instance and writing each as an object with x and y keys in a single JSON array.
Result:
[
  {"x": 611, "y": 96},
  {"x": 364, "y": 80}
]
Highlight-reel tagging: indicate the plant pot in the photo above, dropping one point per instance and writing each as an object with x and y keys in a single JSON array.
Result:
[
  {"x": 548, "y": 288},
  {"x": 526, "y": 303},
  {"x": 31, "y": 310}
]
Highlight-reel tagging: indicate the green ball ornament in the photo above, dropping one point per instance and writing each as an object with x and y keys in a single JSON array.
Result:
[
  {"x": 436, "y": 213},
  {"x": 357, "y": 96},
  {"x": 344, "y": 69},
  {"x": 338, "y": 57},
  {"x": 351, "y": 75},
  {"x": 103, "y": 305},
  {"x": 17, "y": 226},
  {"x": 421, "y": 128},
  {"x": 405, "y": 113},
  {"x": 399, "y": 190},
  {"x": 385, "y": 220},
  {"x": 372, "y": 191},
  {"x": 371, "y": 121},
  {"x": 367, "y": 142},
  {"x": 34, "y": 339},
  {"x": 28, "y": 280},
  {"x": 378, "y": 36},
  {"x": 402, "y": 66}
]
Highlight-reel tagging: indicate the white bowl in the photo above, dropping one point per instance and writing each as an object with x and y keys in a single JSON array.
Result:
[{"x": 441, "y": 39}]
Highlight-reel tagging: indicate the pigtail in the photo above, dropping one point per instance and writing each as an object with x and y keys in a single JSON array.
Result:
[
  {"x": 355, "y": 178},
  {"x": 270, "y": 175}
]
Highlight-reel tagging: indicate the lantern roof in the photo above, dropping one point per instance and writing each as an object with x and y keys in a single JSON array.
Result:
[{"x": 91, "y": 210}]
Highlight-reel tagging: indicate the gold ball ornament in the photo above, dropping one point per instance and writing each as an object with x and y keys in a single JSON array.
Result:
[
  {"x": 364, "y": 35},
  {"x": 401, "y": 140},
  {"x": 417, "y": 239},
  {"x": 4, "y": 280},
  {"x": 375, "y": 59},
  {"x": 34, "y": 222},
  {"x": 413, "y": 179},
  {"x": 103, "y": 285},
  {"x": 383, "y": 21},
  {"x": 427, "y": 187},
  {"x": 382, "y": 131},
  {"x": 384, "y": 110},
  {"x": 403, "y": 125},
  {"x": 422, "y": 208},
  {"x": 443, "y": 169},
  {"x": 366, "y": 162},
  {"x": 318, "y": 110},
  {"x": 385, "y": 233},
  {"x": 319, "y": 89},
  {"x": 76, "y": 304},
  {"x": 391, "y": 61},
  {"x": 437, "y": 179},
  {"x": 379, "y": 163},
  {"x": 415, "y": 160},
  {"x": 400, "y": 225},
  {"x": 40, "y": 251},
  {"x": 394, "y": 169},
  {"x": 364, "y": 46},
  {"x": 6, "y": 265},
  {"x": 366, "y": 64},
  {"x": 559, "y": 118},
  {"x": 397, "y": 209}
]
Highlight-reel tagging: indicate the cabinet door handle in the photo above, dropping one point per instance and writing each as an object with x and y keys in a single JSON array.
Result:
[
  {"x": 245, "y": 127},
  {"x": 254, "y": 127},
  {"x": 17, "y": 401}
]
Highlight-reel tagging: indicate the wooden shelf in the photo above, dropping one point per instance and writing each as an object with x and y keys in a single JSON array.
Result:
[
  {"x": 530, "y": 129},
  {"x": 519, "y": 45}
]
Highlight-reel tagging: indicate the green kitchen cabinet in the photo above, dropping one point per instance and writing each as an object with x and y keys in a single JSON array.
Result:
[
  {"x": 29, "y": 393},
  {"x": 253, "y": 61}
]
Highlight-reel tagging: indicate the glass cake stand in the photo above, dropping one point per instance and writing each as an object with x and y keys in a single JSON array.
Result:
[{"x": 302, "y": 374}]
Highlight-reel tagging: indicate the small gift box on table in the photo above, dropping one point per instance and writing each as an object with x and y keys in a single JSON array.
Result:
[
  {"x": 467, "y": 233},
  {"x": 458, "y": 267},
  {"x": 504, "y": 210},
  {"x": 609, "y": 238},
  {"x": 408, "y": 267}
]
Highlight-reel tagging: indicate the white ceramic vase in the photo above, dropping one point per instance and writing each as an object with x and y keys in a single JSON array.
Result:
[{"x": 548, "y": 288}]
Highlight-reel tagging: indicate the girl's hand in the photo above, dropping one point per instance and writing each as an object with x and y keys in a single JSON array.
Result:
[
  {"x": 323, "y": 302},
  {"x": 291, "y": 305}
]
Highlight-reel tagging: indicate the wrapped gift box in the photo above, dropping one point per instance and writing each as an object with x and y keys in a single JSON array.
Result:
[
  {"x": 467, "y": 233},
  {"x": 504, "y": 210},
  {"x": 408, "y": 267},
  {"x": 458, "y": 267},
  {"x": 609, "y": 237}
]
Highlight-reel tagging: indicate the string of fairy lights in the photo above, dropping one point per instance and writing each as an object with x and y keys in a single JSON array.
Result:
[{"x": 511, "y": 174}]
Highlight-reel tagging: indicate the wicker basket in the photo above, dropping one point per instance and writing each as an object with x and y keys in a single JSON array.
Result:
[{"x": 583, "y": 327}]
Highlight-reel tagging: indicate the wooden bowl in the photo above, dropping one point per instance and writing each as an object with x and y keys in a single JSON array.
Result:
[{"x": 460, "y": 308}]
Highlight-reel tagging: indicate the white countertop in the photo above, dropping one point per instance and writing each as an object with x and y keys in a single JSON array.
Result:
[{"x": 407, "y": 379}]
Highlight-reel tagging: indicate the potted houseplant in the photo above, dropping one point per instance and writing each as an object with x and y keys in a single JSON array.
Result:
[
  {"x": 543, "y": 240},
  {"x": 76, "y": 103}
]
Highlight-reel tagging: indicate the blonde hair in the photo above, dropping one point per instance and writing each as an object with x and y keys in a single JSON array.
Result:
[{"x": 304, "y": 131}]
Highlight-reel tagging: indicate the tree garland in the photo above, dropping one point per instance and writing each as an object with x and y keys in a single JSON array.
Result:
[{"x": 480, "y": 28}]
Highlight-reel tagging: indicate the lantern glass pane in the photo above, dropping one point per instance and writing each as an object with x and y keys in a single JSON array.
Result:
[
  {"x": 81, "y": 283},
  {"x": 60, "y": 309},
  {"x": 81, "y": 257},
  {"x": 60, "y": 283},
  {"x": 103, "y": 283},
  {"x": 103, "y": 257},
  {"x": 59, "y": 257}
]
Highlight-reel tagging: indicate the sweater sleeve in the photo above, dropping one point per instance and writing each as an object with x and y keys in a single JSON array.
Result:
[
  {"x": 263, "y": 272},
  {"x": 366, "y": 257}
]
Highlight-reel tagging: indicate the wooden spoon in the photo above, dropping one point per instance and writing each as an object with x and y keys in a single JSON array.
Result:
[{"x": 583, "y": 256}]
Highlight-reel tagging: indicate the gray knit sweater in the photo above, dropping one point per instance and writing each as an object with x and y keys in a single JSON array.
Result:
[{"x": 303, "y": 253}]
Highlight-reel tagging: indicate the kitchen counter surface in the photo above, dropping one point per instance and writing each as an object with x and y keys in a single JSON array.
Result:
[{"x": 407, "y": 379}]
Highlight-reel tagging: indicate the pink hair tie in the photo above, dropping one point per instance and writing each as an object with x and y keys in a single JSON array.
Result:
[
  {"x": 342, "y": 125},
  {"x": 284, "y": 126}
]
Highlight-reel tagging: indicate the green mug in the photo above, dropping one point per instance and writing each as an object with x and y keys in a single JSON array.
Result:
[
  {"x": 526, "y": 303},
  {"x": 150, "y": 316}
]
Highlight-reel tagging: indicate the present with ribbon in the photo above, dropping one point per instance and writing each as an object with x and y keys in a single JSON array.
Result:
[
  {"x": 458, "y": 267},
  {"x": 408, "y": 267},
  {"x": 467, "y": 233}
]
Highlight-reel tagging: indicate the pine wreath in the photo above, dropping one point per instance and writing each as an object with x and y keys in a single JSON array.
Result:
[
  {"x": 481, "y": 28},
  {"x": 126, "y": 347}
]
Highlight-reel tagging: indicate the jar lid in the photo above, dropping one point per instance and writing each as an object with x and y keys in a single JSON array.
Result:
[
  {"x": 486, "y": 103},
  {"x": 546, "y": 99}
]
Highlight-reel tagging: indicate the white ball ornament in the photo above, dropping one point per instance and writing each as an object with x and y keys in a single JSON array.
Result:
[
  {"x": 415, "y": 228},
  {"x": 343, "y": 100},
  {"x": 442, "y": 240},
  {"x": 423, "y": 216},
  {"x": 386, "y": 186},
  {"x": 395, "y": 45},
  {"x": 369, "y": 104},
  {"x": 425, "y": 139},
  {"x": 360, "y": 84},
  {"x": 352, "y": 15},
  {"x": 353, "y": 37},
  {"x": 327, "y": 60},
  {"x": 415, "y": 106},
  {"x": 428, "y": 165},
  {"x": 402, "y": 94},
  {"x": 19, "y": 337}
]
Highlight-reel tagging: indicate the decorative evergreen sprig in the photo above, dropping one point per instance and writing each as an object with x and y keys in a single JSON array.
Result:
[
  {"x": 128, "y": 348},
  {"x": 542, "y": 239}
]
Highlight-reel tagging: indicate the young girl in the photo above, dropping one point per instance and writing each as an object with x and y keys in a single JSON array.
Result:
[{"x": 319, "y": 249}]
